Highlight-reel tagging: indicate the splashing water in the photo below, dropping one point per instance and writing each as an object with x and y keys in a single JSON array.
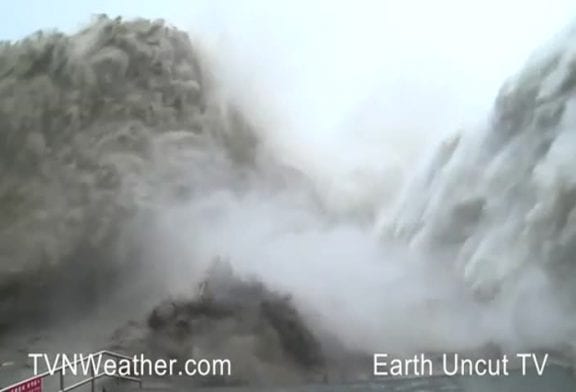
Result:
[{"x": 121, "y": 160}]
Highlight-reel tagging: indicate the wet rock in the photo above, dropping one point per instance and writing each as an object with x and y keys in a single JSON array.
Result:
[{"x": 260, "y": 330}]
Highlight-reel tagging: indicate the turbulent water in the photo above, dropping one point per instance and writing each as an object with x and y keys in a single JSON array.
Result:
[
  {"x": 99, "y": 131},
  {"x": 125, "y": 174},
  {"x": 498, "y": 203}
]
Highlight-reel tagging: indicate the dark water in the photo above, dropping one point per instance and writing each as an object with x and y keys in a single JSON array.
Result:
[{"x": 554, "y": 379}]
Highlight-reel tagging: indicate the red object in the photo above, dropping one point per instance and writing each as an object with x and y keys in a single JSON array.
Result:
[{"x": 34, "y": 385}]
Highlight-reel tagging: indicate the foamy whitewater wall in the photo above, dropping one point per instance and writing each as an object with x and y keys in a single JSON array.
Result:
[
  {"x": 98, "y": 131},
  {"x": 499, "y": 201}
]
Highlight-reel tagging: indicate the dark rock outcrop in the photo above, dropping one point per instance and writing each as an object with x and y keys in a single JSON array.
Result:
[{"x": 260, "y": 331}]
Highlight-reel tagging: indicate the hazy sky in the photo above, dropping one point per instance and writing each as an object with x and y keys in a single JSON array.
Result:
[
  {"x": 400, "y": 71},
  {"x": 19, "y": 18},
  {"x": 350, "y": 42}
]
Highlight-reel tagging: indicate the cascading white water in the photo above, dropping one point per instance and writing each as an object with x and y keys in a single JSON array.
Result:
[{"x": 498, "y": 203}]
